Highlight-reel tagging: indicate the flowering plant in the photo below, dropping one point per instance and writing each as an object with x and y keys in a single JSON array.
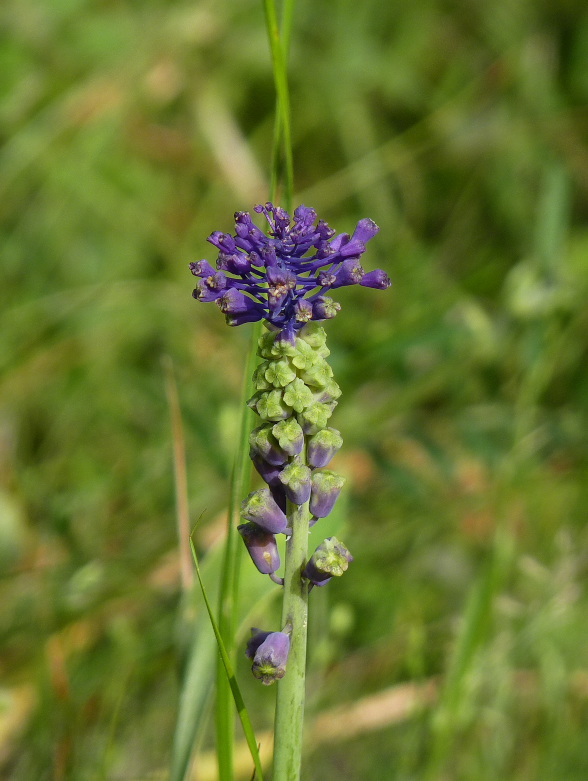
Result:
[{"x": 283, "y": 278}]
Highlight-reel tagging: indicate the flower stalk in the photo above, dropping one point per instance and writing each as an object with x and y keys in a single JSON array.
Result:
[{"x": 289, "y": 719}]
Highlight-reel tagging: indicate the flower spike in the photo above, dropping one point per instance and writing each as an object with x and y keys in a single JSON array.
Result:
[{"x": 285, "y": 276}]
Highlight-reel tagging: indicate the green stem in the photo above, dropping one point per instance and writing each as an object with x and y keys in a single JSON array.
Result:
[
  {"x": 285, "y": 34},
  {"x": 289, "y": 720},
  {"x": 282, "y": 129}
]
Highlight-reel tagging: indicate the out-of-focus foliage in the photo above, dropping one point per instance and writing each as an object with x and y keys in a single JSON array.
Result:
[{"x": 129, "y": 131}]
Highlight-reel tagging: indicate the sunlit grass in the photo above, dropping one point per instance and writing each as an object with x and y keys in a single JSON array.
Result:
[{"x": 460, "y": 131}]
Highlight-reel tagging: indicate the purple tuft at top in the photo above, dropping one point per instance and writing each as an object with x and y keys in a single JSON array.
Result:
[{"x": 284, "y": 277}]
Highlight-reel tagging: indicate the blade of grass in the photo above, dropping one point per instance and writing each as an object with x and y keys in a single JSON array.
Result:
[
  {"x": 474, "y": 632},
  {"x": 228, "y": 667},
  {"x": 181, "y": 483},
  {"x": 195, "y": 699},
  {"x": 198, "y": 677},
  {"x": 229, "y": 585},
  {"x": 197, "y": 687}
]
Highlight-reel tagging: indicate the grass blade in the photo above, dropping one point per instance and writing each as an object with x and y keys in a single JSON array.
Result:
[
  {"x": 237, "y": 696},
  {"x": 197, "y": 678},
  {"x": 229, "y": 580}
]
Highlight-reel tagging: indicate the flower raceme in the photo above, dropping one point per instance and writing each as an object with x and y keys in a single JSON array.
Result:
[{"x": 284, "y": 277}]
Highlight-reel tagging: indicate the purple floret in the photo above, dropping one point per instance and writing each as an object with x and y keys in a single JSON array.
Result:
[
  {"x": 262, "y": 547},
  {"x": 269, "y": 651}
]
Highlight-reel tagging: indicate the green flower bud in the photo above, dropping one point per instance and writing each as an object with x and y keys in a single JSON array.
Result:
[
  {"x": 333, "y": 389},
  {"x": 315, "y": 417},
  {"x": 259, "y": 381},
  {"x": 319, "y": 373},
  {"x": 269, "y": 406},
  {"x": 297, "y": 395},
  {"x": 305, "y": 356},
  {"x": 282, "y": 348},
  {"x": 328, "y": 394},
  {"x": 313, "y": 334},
  {"x": 296, "y": 481},
  {"x": 279, "y": 373},
  {"x": 289, "y": 435},
  {"x": 265, "y": 344}
]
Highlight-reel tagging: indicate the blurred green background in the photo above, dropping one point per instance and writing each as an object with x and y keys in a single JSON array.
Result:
[{"x": 129, "y": 131}]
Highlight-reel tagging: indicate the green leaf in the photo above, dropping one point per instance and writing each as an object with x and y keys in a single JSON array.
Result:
[{"x": 237, "y": 696}]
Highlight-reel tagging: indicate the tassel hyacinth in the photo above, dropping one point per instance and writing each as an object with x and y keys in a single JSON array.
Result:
[{"x": 284, "y": 278}]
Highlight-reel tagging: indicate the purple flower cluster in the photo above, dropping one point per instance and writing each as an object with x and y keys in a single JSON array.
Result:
[{"x": 284, "y": 277}]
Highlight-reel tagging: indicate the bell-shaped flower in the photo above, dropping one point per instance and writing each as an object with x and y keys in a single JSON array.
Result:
[
  {"x": 323, "y": 446},
  {"x": 376, "y": 279},
  {"x": 235, "y": 304},
  {"x": 234, "y": 263},
  {"x": 351, "y": 272},
  {"x": 270, "y": 474},
  {"x": 365, "y": 230},
  {"x": 290, "y": 436},
  {"x": 269, "y": 651},
  {"x": 210, "y": 288},
  {"x": 296, "y": 481},
  {"x": 303, "y": 310},
  {"x": 264, "y": 443},
  {"x": 261, "y": 508},
  {"x": 262, "y": 547},
  {"x": 329, "y": 560},
  {"x": 324, "y": 308},
  {"x": 326, "y": 487},
  {"x": 202, "y": 268}
]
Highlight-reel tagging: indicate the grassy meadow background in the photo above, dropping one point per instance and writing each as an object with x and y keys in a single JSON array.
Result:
[{"x": 456, "y": 647}]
